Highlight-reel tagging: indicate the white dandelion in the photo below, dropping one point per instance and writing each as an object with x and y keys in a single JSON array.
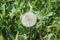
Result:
[{"x": 29, "y": 19}]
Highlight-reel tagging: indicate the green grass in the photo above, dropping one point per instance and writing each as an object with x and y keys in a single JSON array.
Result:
[{"x": 46, "y": 28}]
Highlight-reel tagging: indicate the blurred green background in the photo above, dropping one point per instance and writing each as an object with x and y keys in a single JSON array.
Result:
[{"x": 46, "y": 28}]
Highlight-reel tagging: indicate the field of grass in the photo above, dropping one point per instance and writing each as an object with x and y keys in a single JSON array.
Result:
[{"x": 47, "y": 26}]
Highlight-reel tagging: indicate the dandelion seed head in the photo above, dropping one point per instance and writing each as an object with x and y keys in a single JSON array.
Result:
[{"x": 29, "y": 19}]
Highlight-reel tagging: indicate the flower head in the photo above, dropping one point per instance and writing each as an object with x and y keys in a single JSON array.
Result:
[{"x": 29, "y": 19}]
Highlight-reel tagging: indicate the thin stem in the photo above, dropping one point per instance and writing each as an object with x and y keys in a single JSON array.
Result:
[
  {"x": 49, "y": 6},
  {"x": 17, "y": 35},
  {"x": 29, "y": 34}
]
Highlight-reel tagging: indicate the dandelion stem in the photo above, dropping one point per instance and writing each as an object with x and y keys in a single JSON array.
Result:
[{"x": 29, "y": 34}]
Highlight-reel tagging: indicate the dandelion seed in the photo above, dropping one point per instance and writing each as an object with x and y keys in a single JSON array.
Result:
[{"x": 29, "y": 19}]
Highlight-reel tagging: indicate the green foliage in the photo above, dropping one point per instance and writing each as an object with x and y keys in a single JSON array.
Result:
[{"x": 48, "y": 19}]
